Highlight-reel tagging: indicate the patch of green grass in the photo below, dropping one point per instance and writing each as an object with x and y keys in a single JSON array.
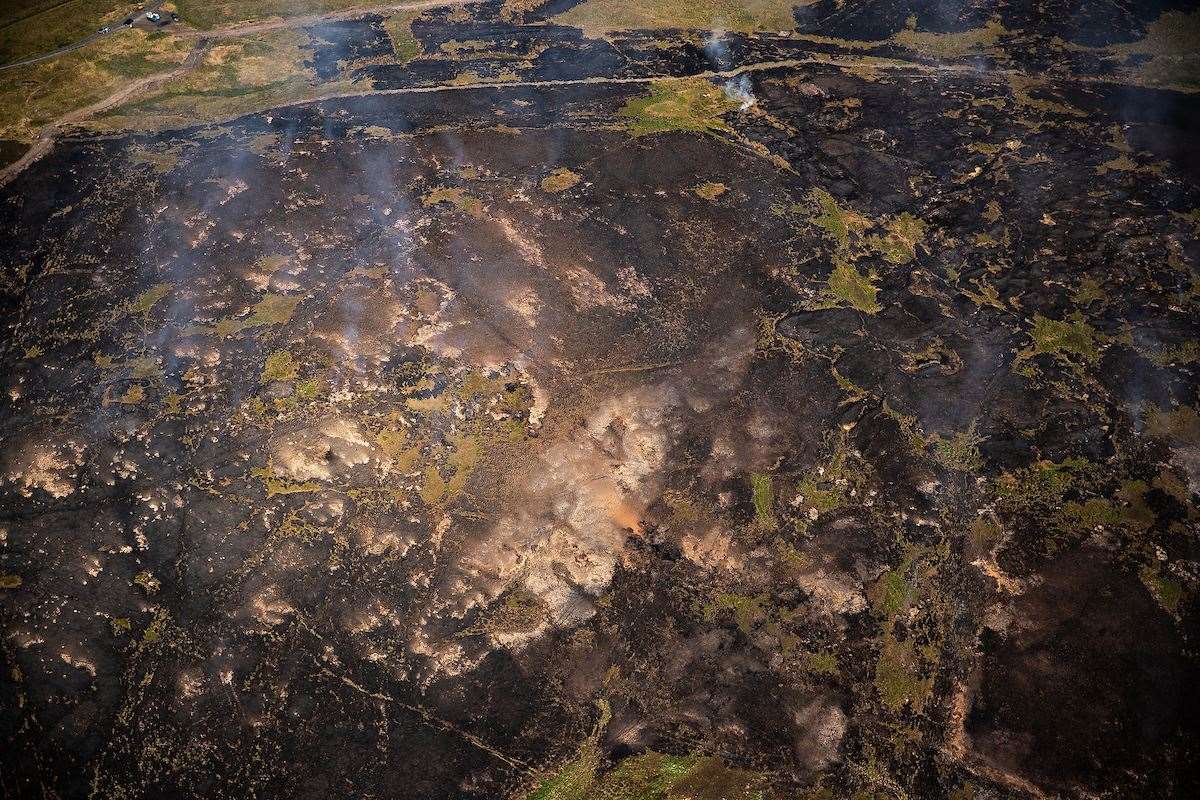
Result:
[
  {"x": 1042, "y": 484},
  {"x": 653, "y": 776},
  {"x": 1071, "y": 339},
  {"x": 837, "y": 222},
  {"x": 276, "y": 484},
  {"x": 273, "y": 309},
  {"x": 763, "y": 491},
  {"x": 455, "y": 196},
  {"x": 560, "y": 180},
  {"x": 747, "y": 611},
  {"x": 404, "y": 43},
  {"x": 897, "y": 678},
  {"x": 280, "y": 366},
  {"x": 598, "y": 17},
  {"x": 1166, "y": 590},
  {"x": 710, "y": 190},
  {"x": 960, "y": 451},
  {"x": 146, "y": 301},
  {"x": 846, "y": 285},
  {"x": 904, "y": 234},
  {"x": 891, "y": 594},
  {"x": 822, "y": 663},
  {"x": 951, "y": 45},
  {"x": 693, "y": 104}
]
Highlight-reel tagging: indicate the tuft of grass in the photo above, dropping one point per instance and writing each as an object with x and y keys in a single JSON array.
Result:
[
  {"x": 455, "y": 196},
  {"x": 560, "y": 180},
  {"x": 763, "y": 491},
  {"x": 710, "y": 190},
  {"x": 692, "y": 104},
  {"x": 280, "y": 366}
]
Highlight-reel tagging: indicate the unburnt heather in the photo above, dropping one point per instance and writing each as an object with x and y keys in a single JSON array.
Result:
[{"x": 580, "y": 400}]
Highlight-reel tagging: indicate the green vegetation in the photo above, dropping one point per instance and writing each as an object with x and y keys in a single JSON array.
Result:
[
  {"x": 747, "y": 611},
  {"x": 235, "y": 76},
  {"x": 280, "y": 366},
  {"x": 455, "y": 196},
  {"x": 837, "y": 222},
  {"x": 34, "y": 95},
  {"x": 146, "y": 301},
  {"x": 207, "y": 15},
  {"x": 848, "y": 286},
  {"x": 598, "y": 17},
  {"x": 276, "y": 484},
  {"x": 273, "y": 309},
  {"x": 763, "y": 492},
  {"x": 950, "y": 45},
  {"x": 904, "y": 234},
  {"x": 1166, "y": 590},
  {"x": 649, "y": 776},
  {"x": 31, "y": 28},
  {"x": 1071, "y": 340},
  {"x": 710, "y": 190},
  {"x": 960, "y": 451},
  {"x": 691, "y": 104},
  {"x": 1042, "y": 484},
  {"x": 560, "y": 180},
  {"x": 404, "y": 43},
  {"x": 10, "y": 581},
  {"x": 897, "y": 676},
  {"x": 822, "y": 663}
]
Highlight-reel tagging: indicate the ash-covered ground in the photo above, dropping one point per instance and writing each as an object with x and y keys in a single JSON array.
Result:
[{"x": 667, "y": 415}]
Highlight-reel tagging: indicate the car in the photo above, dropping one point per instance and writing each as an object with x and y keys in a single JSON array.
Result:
[
  {"x": 128, "y": 23},
  {"x": 153, "y": 17},
  {"x": 103, "y": 30}
]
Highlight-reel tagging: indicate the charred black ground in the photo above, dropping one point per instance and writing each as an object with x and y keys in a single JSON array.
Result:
[{"x": 657, "y": 414}]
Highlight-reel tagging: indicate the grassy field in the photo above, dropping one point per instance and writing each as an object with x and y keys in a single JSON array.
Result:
[
  {"x": 235, "y": 77},
  {"x": 598, "y": 17},
  {"x": 206, "y": 15},
  {"x": 36, "y": 94},
  {"x": 32, "y": 27}
]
